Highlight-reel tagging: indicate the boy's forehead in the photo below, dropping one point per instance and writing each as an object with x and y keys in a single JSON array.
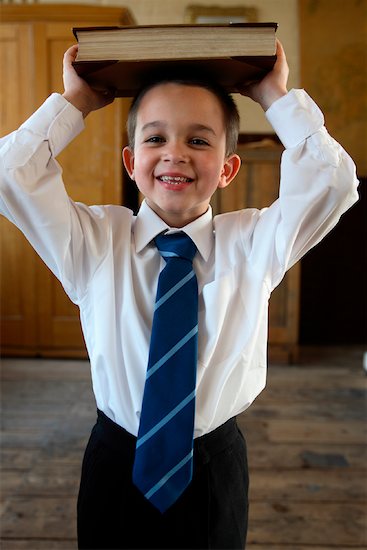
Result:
[{"x": 180, "y": 98}]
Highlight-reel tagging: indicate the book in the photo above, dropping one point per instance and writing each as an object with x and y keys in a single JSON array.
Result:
[{"x": 123, "y": 58}]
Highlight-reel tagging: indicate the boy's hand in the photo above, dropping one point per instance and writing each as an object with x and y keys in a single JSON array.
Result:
[
  {"x": 78, "y": 92},
  {"x": 273, "y": 85}
]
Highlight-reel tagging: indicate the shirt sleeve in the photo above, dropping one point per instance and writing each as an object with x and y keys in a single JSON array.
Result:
[
  {"x": 33, "y": 196},
  {"x": 318, "y": 184}
]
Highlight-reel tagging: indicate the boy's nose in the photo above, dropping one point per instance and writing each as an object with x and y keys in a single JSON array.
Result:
[{"x": 175, "y": 153}]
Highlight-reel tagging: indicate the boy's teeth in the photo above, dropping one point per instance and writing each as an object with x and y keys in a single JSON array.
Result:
[{"x": 174, "y": 179}]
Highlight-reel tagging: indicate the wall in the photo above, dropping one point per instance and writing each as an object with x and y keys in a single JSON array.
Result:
[
  {"x": 333, "y": 36},
  {"x": 284, "y": 12}
]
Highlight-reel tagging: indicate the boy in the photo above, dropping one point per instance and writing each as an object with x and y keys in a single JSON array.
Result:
[{"x": 182, "y": 147}]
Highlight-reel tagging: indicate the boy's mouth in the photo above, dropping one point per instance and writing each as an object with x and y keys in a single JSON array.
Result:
[{"x": 174, "y": 180}]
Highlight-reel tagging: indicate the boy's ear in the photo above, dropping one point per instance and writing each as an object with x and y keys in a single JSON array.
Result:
[
  {"x": 230, "y": 170},
  {"x": 129, "y": 161}
]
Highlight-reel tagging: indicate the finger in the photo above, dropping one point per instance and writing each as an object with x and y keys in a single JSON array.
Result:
[
  {"x": 280, "y": 52},
  {"x": 281, "y": 64},
  {"x": 246, "y": 89},
  {"x": 107, "y": 96},
  {"x": 279, "y": 47},
  {"x": 110, "y": 92},
  {"x": 71, "y": 53}
]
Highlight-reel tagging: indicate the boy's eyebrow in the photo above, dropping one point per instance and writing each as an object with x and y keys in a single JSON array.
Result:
[
  {"x": 153, "y": 124},
  {"x": 202, "y": 127},
  {"x": 196, "y": 127}
]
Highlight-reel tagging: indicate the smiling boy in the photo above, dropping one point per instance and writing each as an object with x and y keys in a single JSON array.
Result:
[{"x": 182, "y": 148}]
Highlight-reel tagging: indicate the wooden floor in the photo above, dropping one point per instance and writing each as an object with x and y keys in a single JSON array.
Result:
[{"x": 306, "y": 439}]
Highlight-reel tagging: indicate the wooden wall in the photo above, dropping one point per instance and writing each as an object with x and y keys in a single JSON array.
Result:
[{"x": 333, "y": 38}]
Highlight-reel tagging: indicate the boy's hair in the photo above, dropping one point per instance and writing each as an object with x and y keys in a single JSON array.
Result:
[{"x": 229, "y": 109}]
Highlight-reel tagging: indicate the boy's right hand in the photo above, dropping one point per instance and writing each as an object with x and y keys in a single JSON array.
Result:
[
  {"x": 78, "y": 92},
  {"x": 273, "y": 86}
]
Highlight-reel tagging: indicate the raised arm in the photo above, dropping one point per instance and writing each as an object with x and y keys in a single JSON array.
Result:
[{"x": 78, "y": 92}]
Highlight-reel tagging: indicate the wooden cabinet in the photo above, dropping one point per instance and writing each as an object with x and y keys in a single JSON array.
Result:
[
  {"x": 257, "y": 186},
  {"x": 36, "y": 316}
]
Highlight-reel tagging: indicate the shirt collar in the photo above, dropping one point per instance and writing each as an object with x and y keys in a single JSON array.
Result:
[{"x": 148, "y": 225}]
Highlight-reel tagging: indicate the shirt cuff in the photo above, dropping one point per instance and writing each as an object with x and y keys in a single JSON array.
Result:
[
  {"x": 295, "y": 117},
  {"x": 57, "y": 121}
]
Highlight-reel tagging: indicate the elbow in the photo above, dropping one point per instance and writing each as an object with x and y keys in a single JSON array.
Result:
[{"x": 346, "y": 182}]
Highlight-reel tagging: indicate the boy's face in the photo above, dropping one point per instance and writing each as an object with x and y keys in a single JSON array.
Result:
[{"x": 179, "y": 156}]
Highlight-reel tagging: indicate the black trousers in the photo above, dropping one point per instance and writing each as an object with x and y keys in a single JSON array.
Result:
[{"x": 211, "y": 513}]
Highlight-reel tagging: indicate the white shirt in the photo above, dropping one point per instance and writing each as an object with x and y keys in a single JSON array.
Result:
[{"x": 104, "y": 258}]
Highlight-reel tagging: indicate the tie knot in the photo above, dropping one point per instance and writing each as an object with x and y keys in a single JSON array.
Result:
[{"x": 175, "y": 245}]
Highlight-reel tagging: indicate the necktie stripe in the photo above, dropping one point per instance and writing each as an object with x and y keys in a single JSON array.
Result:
[
  {"x": 168, "y": 254},
  {"x": 168, "y": 475},
  {"x": 166, "y": 419},
  {"x": 171, "y": 352},
  {"x": 174, "y": 289}
]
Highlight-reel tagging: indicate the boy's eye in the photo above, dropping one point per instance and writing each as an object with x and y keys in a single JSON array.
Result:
[
  {"x": 155, "y": 139},
  {"x": 199, "y": 141}
]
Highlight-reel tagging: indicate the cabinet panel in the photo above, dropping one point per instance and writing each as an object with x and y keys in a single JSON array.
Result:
[
  {"x": 15, "y": 67},
  {"x": 18, "y": 296},
  {"x": 17, "y": 259}
]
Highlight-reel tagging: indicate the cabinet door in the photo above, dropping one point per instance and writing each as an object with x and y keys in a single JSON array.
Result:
[
  {"x": 257, "y": 186},
  {"x": 17, "y": 259},
  {"x": 37, "y": 316}
]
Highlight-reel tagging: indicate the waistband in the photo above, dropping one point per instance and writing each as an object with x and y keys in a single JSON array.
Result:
[{"x": 205, "y": 446}]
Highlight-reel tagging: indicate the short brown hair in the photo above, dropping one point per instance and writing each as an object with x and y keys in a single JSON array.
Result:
[{"x": 229, "y": 108}]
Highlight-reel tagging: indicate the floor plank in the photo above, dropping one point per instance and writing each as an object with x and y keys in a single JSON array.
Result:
[
  {"x": 302, "y": 456},
  {"x": 335, "y": 485},
  {"x": 39, "y": 517},
  {"x": 37, "y": 544},
  {"x": 304, "y": 523},
  {"x": 299, "y": 431}
]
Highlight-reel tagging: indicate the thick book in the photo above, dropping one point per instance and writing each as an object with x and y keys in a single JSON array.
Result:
[{"x": 123, "y": 58}]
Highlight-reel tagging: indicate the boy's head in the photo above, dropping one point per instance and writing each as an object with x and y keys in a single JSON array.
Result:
[
  {"x": 182, "y": 136},
  {"x": 228, "y": 107}
]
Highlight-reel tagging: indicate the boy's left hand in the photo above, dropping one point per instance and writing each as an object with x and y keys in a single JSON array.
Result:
[{"x": 273, "y": 86}]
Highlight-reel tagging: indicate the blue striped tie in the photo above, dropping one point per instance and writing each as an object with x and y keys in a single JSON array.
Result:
[{"x": 164, "y": 448}]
